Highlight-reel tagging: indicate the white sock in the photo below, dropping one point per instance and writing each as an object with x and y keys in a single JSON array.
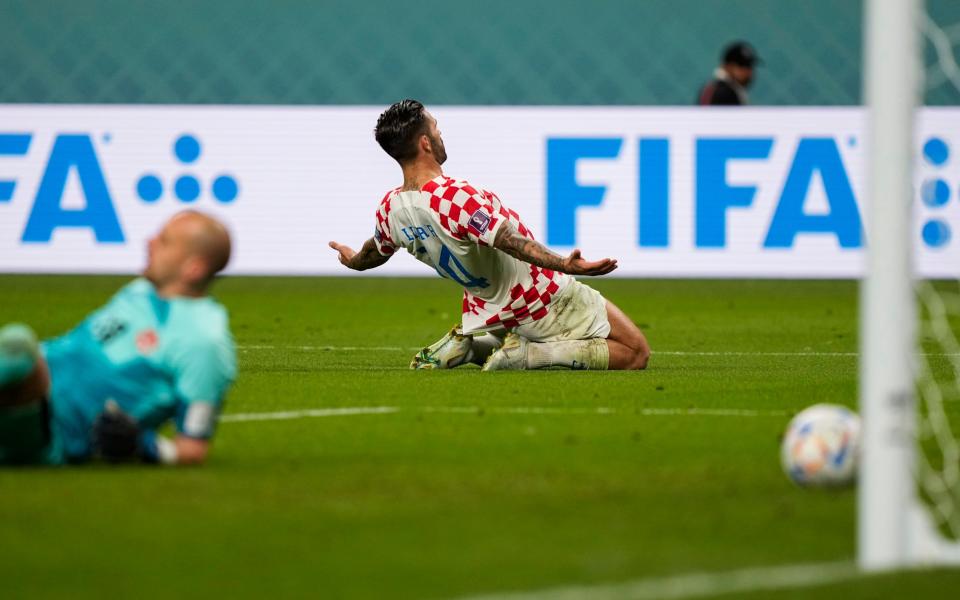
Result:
[{"x": 590, "y": 354}]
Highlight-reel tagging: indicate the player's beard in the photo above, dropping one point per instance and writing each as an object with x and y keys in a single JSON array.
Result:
[{"x": 439, "y": 151}]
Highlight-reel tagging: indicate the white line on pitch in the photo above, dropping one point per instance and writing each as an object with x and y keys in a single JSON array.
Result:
[
  {"x": 310, "y": 412},
  {"x": 696, "y": 585},
  {"x": 520, "y": 410},
  {"x": 713, "y": 412},
  {"x": 603, "y": 410},
  {"x": 504, "y": 410}
]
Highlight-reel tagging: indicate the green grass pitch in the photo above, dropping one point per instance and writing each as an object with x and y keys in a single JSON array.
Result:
[{"x": 466, "y": 483}]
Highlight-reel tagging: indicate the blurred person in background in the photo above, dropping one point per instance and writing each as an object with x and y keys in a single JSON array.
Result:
[
  {"x": 521, "y": 308},
  {"x": 160, "y": 350},
  {"x": 732, "y": 78}
]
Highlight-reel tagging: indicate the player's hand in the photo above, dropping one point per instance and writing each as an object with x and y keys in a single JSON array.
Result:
[
  {"x": 575, "y": 264},
  {"x": 116, "y": 435},
  {"x": 346, "y": 253}
]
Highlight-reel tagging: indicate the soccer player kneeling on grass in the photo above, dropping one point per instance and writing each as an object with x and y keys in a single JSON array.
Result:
[
  {"x": 521, "y": 308},
  {"x": 159, "y": 350}
]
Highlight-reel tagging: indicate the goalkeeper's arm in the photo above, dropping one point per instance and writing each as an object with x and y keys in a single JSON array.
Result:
[
  {"x": 118, "y": 438},
  {"x": 181, "y": 450}
]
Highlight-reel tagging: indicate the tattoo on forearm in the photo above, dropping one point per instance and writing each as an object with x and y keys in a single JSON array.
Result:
[
  {"x": 510, "y": 241},
  {"x": 368, "y": 257}
]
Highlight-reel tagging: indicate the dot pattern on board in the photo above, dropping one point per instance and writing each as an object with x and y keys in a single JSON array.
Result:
[{"x": 187, "y": 188}]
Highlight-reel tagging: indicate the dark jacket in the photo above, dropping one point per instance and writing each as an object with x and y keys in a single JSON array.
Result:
[{"x": 722, "y": 91}]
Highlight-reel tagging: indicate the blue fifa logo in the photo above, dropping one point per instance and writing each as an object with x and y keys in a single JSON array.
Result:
[
  {"x": 935, "y": 194},
  {"x": 69, "y": 152},
  {"x": 714, "y": 197},
  {"x": 75, "y": 153}
]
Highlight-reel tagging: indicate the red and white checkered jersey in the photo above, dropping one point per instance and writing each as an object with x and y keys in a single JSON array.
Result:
[{"x": 451, "y": 225}]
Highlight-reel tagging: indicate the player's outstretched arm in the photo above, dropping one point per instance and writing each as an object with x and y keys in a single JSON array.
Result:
[
  {"x": 190, "y": 451},
  {"x": 181, "y": 450},
  {"x": 510, "y": 241},
  {"x": 368, "y": 257}
]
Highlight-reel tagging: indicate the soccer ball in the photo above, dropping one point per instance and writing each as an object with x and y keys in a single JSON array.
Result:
[{"x": 821, "y": 446}]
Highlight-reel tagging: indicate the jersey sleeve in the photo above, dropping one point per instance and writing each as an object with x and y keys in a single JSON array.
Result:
[
  {"x": 203, "y": 371},
  {"x": 381, "y": 232},
  {"x": 465, "y": 212}
]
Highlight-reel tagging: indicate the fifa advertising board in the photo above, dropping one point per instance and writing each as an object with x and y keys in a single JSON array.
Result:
[{"x": 669, "y": 192}]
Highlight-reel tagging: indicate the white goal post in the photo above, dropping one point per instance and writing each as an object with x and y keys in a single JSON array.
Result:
[{"x": 895, "y": 529}]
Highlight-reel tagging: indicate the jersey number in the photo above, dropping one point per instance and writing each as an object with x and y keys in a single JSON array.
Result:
[{"x": 451, "y": 267}]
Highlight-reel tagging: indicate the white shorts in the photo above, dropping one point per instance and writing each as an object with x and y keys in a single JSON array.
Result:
[{"x": 579, "y": 312}]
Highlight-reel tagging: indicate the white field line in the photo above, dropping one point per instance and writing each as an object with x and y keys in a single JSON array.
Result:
[
  {"x": 712, "y": 412},
  {"x": 696, "y": 585},
  {"x": 603, "y": 410},
  {"x": 655, "y": 352},
  {"x": 499, "y": 410},
  {"x": 307, "y": 413}
]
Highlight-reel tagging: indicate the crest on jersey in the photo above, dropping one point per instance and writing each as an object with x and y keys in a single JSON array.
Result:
[
  {"x": 480, "y": 221},
  {"x": 147, "y": 341}
]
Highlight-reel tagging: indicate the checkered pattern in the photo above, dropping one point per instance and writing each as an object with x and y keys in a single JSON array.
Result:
[
  {"x": 381, "y": 234},
  {"x": 452, "y": 214},
  {"x": 530, "y": 303},
  {"x": 455, "y": 202}
]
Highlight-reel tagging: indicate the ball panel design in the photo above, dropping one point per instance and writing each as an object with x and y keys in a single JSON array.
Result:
[{"x": 820, "y": 448}]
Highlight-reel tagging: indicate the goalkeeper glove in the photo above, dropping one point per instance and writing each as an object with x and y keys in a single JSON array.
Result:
[{"x": 116, "y": 435}]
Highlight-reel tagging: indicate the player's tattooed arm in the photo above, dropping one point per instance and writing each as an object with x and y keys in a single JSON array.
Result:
[
  {"x": 510, "y": 241},
  {"x": 368, "y": 257},
  {"x": 528, "y": 250}
]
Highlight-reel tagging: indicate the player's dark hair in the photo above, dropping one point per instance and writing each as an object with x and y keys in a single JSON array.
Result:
[{"x": 399, "y": 128}]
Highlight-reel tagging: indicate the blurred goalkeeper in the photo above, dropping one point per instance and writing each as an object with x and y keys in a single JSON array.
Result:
[
  {"x": 159, "y": 350},
  {"x": 521, "y": 308}
]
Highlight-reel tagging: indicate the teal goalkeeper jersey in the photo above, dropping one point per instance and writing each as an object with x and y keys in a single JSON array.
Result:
[{"x": 158, "y": 359}]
